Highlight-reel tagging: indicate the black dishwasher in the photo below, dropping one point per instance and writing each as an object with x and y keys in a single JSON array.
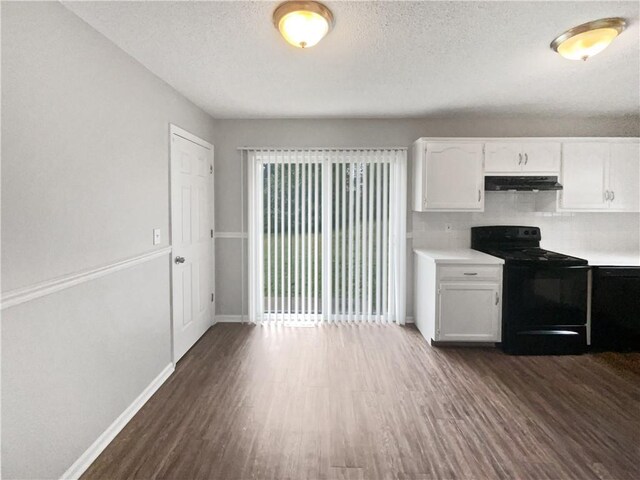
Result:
[{"x": 615, "y": 309}]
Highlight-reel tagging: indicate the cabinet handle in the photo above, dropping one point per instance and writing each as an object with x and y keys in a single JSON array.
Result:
[
  {"x": 470, "y": 273},
  {"x": 606, "y": 195},
  {"x": 526, "y": 158},
  {"x": 497, "y": 298},
  {"x": 519, "y": 158},
  {"x": 479, "y": 194},
  {"x": 613, "y": 195}
]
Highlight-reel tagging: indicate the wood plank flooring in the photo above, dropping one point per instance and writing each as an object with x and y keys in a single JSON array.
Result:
[{"x": 369, "y": 402}]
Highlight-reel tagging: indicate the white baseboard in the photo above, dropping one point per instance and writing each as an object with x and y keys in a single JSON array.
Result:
[
  {"x": 239, "y": 318},
  {"x": 91, "y": 453},
  {"x": 230, "y": 318},
  {"x": 230, "y": 235}
]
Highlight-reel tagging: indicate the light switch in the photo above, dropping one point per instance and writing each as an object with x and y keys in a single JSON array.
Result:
[{"x": 156, "y": 236}]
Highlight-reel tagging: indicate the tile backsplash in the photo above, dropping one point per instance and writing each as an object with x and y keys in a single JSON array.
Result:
[{"x": 567, "y": 232}]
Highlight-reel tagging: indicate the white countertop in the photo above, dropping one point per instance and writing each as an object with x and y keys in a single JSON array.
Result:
[
  {"x": 622, "y": 259},
  {"x": 460, "y": 255}
]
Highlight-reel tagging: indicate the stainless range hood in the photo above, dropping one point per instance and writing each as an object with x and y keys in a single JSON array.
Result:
[{"x": 520, "y": 184}]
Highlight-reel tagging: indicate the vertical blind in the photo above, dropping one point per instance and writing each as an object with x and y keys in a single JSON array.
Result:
[{"x": 326, "y": 234}]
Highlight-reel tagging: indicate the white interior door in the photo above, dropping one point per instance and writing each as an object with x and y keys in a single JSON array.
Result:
[{"x": 191, "y": 223}]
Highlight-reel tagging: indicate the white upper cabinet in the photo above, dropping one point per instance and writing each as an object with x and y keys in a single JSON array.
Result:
[
  {"x": 502, "y": 157},
  {"x": 600, "y": 176},
  {"x": 448, "y": 176},
  {"x": 521, "y": 158},
  {"x": 541, "y": 157},
  {"x": 624, "y": 177},
  {"x": 584, "y": 176}
]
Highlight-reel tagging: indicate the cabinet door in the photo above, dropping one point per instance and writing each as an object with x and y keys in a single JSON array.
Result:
[
  {"x": 454, "y": 178},
  {"x": 624, "y": 177},
  {"x": 584, "y": 176},
  {"x": 418, "y": 159},
  {"x": 502, "y": 157},
  {"x": 541, "y": 157},
  {"x": 469, "y": 312}
]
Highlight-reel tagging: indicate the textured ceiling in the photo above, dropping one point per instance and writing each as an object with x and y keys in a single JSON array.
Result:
[{"x": 383, "y": 59}]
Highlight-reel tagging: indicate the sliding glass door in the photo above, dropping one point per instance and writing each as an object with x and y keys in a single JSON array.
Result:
[
  {"x": 327, "y": 238},
  {"x": 291, "y": 238}
]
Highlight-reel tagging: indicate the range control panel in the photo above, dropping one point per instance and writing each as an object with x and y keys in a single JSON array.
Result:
[{"x": 504, "y": 234}]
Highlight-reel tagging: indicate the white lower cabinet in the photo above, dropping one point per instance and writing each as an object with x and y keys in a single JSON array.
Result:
[
  {"x": 458, "y": 302},
  {"x": 468, "y": 312}
]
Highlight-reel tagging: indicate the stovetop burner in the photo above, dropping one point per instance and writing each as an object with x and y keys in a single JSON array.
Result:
[
  {"x": 545, "y": 254},
  {"x": 533, "y": 255},
  {"x": 518, "y": 244}
]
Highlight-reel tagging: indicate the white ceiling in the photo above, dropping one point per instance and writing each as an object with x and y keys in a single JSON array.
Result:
[{"x": 383, "y": 59}]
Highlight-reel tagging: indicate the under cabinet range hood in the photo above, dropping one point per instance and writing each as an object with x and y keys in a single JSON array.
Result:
[{"x": 521, "y": 184}]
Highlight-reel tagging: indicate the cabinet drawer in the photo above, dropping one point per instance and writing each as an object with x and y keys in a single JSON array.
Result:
[{"x": 470, "y": 272}]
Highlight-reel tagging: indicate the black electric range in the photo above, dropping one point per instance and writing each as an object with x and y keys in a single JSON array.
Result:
[{"x": 544, "y": 308}]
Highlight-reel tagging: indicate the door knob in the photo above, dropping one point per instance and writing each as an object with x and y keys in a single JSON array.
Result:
[{"x": 179, "y": 260}]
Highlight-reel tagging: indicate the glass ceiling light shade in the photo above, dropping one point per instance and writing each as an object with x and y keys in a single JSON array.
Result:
[
  {"x": 303, "y": 24},
  {"x": 588, "y": 39}
]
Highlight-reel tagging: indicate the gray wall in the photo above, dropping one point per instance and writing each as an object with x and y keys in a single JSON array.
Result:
[
  {"x": 75, "y": 360},
  {"x": 230, "y": 184},
  {"x": 84, "y": 181}
]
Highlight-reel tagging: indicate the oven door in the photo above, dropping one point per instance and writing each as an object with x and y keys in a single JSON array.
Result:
[
  {"x": 545, "y": 297},
  {"x": 545, "y": 310}
]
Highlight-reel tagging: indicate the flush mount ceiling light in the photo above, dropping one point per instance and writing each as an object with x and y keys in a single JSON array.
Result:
[
  {"x": 303, "y": 24},
  {"x": 588, "y": 39}
]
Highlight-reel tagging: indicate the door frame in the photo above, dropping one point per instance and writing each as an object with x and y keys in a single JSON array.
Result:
[{"x": 180, "y": 132}]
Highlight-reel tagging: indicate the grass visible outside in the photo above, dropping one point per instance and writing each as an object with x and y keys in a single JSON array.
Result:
[{"x": 286, "y": 286}]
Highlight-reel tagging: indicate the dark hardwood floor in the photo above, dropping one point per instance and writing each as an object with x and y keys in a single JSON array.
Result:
[{"x": 368, "y": 402}]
